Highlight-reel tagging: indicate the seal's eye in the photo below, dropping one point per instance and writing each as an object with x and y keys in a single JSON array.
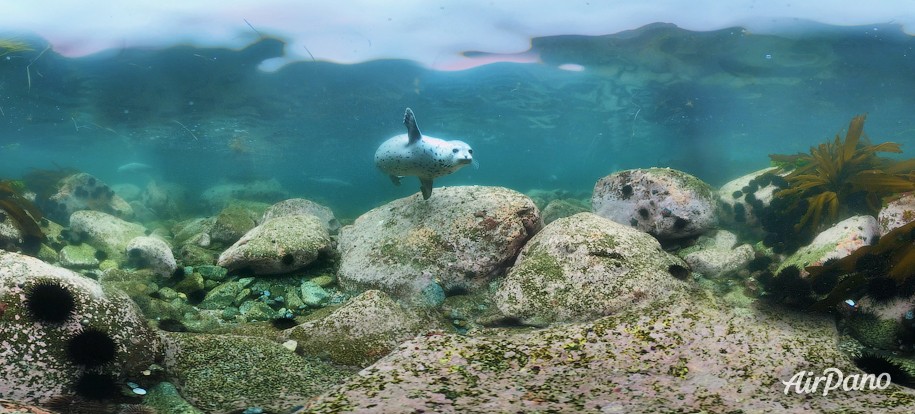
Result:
[
  {"x": 454, "y": 150},
  {"x": 470, "y": 151}
]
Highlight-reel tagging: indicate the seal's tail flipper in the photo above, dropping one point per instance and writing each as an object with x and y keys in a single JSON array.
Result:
[
  {"x": 409, "y": 121},
  {"x": 395, "y": 179},
  {"x": 426, "y": 187}
]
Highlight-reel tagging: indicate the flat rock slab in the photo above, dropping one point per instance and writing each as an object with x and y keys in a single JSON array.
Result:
[{"x": 683, "y": 355}]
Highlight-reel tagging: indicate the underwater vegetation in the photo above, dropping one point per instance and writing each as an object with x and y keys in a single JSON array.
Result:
[
  {"x": 835, "y": 180},
  {"x": 25, "y": 214},
  {"x": 882, "y": 271},
  {"x": 10, "y": 45}
]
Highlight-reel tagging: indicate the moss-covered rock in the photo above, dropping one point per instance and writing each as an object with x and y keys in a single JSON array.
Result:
[
  {"x": 279, "y": 245},
  {"x": 222, "y": 373},
  {"x": 152, "y": 253},
  {"x": 79, "y": 256},
  {"x": 583, "y": 267},
  {"x": 457, "y": 240},
  {"x": 557, "y": 209},
  {"x": 837, "y": 242},
  {"x": 666, "y": 203},
  {"x": 358, "y": 333},
  {"x": 105, "y": 232},
  {"x": 295, "y": 206},
  {"x": 687, "y": 353},
  {"x": 231, "y": 223},
  {"x": 717, "y": 255},
  {"x": 36, "y": 364}
]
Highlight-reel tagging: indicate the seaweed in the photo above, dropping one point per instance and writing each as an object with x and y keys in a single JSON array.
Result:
[
  {"x": 11, "y": 45},
  {"x": 835, "y": 180},
  {"x": 25, "y": 214},
  {"x": 892, "y": 257}
]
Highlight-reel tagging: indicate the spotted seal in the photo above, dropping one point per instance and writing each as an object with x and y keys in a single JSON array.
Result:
[{"x": 422, "y": 156}]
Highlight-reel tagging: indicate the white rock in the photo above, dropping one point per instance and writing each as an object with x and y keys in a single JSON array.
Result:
[{"x": 153, "y": 253}]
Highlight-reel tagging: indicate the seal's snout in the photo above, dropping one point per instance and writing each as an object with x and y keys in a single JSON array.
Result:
[{"x": 465, "y": 160}]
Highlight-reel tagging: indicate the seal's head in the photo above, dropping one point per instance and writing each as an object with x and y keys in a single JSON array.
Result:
[{"x": 461, "y": 153}]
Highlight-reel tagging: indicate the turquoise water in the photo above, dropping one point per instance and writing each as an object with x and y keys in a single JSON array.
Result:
[{"x": 713, "y": 104}]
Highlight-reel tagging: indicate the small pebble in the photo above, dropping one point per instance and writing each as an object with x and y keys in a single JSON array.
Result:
[{"x": 291, "y": 345}]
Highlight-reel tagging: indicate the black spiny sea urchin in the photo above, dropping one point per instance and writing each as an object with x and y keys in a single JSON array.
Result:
[{"x": 49, "y": 300}]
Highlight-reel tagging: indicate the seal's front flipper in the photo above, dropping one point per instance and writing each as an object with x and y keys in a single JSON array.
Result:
[
  {"x": 409, "y": 121},
  {"x": 426, "y": 187},
  {"x": 395, "y": 179}
]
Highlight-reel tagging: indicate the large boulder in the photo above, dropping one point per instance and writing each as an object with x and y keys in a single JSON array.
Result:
[
  {"x": 279, "y": 245},
  {"x": 455, "y": 241},
  {"x": 230, "y": 373},
  {"x": 105, "y": 232},
  {"x": 836, "y": 242},
  {"x": 686, "y": 353},
  {"x": 583, "y": 267},
  {"x": 152, "y": 253},
  {"x": 743, "y": 197},
  {"x": 717, "y": 255},
  {"x": 364, "y": 329},
  {"x": 58, "y": 328},
  {"x": 295, "y": 206},
  {"x": 897, "y": 213},
  {"x": 665, "y": 203},
  {"x": 231, "y": 224},
  {"x": 85, "y": 192}
]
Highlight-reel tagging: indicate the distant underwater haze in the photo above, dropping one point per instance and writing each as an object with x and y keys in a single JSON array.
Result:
[{"x": 195, "y": 105}]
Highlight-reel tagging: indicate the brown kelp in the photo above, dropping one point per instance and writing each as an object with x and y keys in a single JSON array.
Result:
[
  {"x": 882, "y": 271},
  {"x": 24, "y": 213},
  {"x": 835, "y": 180}
]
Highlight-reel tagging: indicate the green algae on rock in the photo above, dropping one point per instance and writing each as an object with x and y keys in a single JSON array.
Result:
[
  {"x": 279, "y": 245},
  {"x": 26, "y": 344},
  {"x": 682, "y": 353},
  {"x": 582, "y": 267},
  {"x": 362, "y": 330},
  {"x": 220, "y": 373},
  {"x": 458, "y": 240}
]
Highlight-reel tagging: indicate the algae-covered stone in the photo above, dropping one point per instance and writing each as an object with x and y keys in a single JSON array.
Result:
[
  {"x": 666, "y": 203},
  {"x": 457, "y": 240},
  {"x": 209, "y": 272},
  {"x": 742, "y": 196},
  {"x": 81, "y": 192},
  {"x": 279, "y": 245},
  {"x": 836, "y": 242},
  {"x": 221, "y": 296},
  {"x": 164, "y": 398},
  {"x": 105, "y": 232},
  {"x": 254, "y": 310},
  {"x": 223, "y": 373},
  {"x": 36, "y": 364},
  {"x": 583, "y": 267},
  {"x": 80, "y": 256},
  {"x": 295, "y": 206},
  {"x": 717, "y": 255},
  {"x": 152, "y": 253},
  {"x": 897, "y": 212},
  {"x": 560, "y": 208},
  {"x": 231, "y": 223},
  {"x": 361, "y": 331},
  {"x": 312, "y": 294},
  {"x": 684, "y": 354}
]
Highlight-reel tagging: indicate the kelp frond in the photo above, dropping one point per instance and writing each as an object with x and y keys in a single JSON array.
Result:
[
  {"x": 838, "y": 172},
  {"x": 24, "y": 213},
  {"x": 12, "y": 45}
]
